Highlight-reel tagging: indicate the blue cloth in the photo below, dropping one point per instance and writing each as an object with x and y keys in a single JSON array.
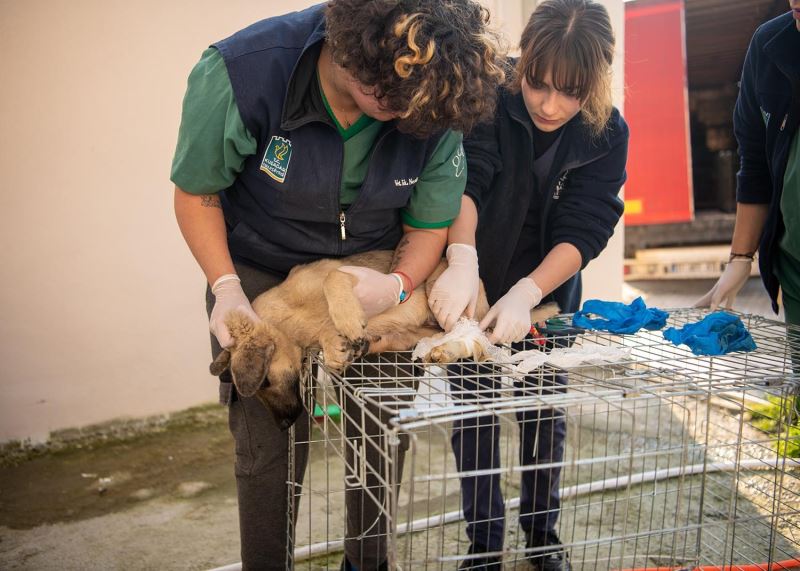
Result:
[
  {"x": 718, "y": 333},
  {"x": 618, "y": 317}
]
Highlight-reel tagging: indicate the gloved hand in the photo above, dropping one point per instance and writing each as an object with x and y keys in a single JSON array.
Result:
[
  {"x": 728, "y": 285},
  {"x": 456, "y": 290},
  {"x": 511, "y": 315},
  {"x": 228, "y": 296},
  {"x": 376, "y": 291}
]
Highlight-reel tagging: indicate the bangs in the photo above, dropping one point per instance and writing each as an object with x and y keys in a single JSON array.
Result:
[
  {"x": 570, "y": 72},
  {"x": 573, "y": 41}
]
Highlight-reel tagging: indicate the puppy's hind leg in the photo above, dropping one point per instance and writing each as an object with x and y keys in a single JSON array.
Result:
[
  {"x": 343, "y": 307},
  {"x": 396, "y": 339},
  {"x": 400, "y": 327}
]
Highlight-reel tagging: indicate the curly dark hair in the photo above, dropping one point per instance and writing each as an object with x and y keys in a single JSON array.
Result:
[{"x": 435, "y": 62}]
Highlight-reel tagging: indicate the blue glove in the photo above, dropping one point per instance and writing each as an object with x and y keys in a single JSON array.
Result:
[
  {"x": 618, "y": 317},
  {"x": 718, "y": 333}
]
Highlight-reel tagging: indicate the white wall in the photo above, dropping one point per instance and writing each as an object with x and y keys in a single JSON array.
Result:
[
  {"x": 102, "y": 304},
  {"x": 602, "y": 278}
]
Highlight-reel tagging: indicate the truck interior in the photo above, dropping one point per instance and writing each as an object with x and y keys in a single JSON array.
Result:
[{"x": 683, "y": 61}]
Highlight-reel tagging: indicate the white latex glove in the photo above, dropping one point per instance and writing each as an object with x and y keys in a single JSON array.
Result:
[
  {"x": 456, "y": 290},
  {"x": 228, "y": 296},
  {"x": 511, "y": 315},
  {"x": 728, "y": 285},
  {"x": 376, "y": 291}
]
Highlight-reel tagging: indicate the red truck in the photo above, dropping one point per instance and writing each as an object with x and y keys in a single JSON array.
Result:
[{"x": 683, "y": 60}]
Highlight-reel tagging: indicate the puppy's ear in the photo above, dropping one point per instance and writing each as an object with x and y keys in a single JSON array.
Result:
[
  {"x": 269, "y": 351},
  {"x": 221, "y": 363},
  {"x": 250, "y": 363}
]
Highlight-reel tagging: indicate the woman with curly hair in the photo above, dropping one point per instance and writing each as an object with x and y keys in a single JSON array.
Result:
[
  {"x": 324, "y": 133},
  {"x": 542, "y": 193}
]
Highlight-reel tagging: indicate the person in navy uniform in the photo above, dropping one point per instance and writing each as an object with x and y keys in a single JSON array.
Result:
[
  {"x": 324, "y": 133},
  {"x": 765, "y": 122}
]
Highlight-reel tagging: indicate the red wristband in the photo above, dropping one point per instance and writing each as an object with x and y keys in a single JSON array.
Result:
[
  {"x": 408, "y": 279},
  {"x": 405, "y": 293}
]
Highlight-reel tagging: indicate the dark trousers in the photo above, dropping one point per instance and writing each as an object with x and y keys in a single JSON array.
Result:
[
  {"x": 476, "y": 445},
  {"x": 374, "y": 459},
  {"x": 262, "y": 456},
  {"x": 262, "y": 463},
  {"x": 787, "y": 269}
]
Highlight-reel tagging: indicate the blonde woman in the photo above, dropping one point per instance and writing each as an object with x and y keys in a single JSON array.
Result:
[{"x": 541, "y": 202}]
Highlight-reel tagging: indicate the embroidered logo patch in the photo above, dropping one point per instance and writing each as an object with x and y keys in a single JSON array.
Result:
[
  {"x": 276, "y": 158},
  {"x": 560, "y": 185},
  {"x": 401, "y": 182},
  {"x": 459, "y": 162}
]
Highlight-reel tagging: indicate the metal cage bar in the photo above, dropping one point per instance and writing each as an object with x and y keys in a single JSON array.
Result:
[{"x": 670, "y": 459}]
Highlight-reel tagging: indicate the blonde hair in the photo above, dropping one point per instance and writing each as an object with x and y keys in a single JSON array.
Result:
[{"x": 574, "y": 41}]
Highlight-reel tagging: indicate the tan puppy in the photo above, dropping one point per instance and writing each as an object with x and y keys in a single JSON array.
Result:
[{"x": 315, "y": 308}]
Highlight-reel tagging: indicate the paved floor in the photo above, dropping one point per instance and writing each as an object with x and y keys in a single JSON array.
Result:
[
  {"x": 683, "y": 293},
  {"x": 165, "y": 499}
]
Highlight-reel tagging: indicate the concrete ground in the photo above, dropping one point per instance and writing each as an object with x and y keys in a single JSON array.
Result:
[
  {"x": 684, "y": 293},
  {"x": 160, "y": 494}
]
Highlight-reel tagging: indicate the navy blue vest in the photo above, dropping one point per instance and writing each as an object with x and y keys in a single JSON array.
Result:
[{"x": 283, "y": 208}]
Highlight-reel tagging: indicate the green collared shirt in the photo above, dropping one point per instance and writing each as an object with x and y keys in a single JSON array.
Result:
[
  {"x": 790, "y": 201},
  {"x": 213, "y": 144}
]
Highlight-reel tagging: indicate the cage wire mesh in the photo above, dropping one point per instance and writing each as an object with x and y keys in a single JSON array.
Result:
[{"x": 670, "y": 459}]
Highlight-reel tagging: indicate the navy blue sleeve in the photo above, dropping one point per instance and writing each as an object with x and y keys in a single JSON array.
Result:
[
  {"x": 753, "y": 182},
  {"x": 589, "y": 206},
  {"x": 483, "y": 161}
]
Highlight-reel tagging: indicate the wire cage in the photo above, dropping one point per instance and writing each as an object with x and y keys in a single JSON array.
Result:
[{"x": 670, "y": 460}]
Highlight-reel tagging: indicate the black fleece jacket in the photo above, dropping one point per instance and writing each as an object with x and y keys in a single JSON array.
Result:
[
  {"x": 765, "y": 122},
  {"x": 579, "y": 203}
]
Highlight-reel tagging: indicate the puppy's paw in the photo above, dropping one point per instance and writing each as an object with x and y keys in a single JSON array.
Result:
[
  {"x": 456, "y": 350},
  {"x": 446, "y": 353},
  {"x": 339, "y": 352},
  {"x": 352, "y": 329},
  {"x": 360, "y": 347}
]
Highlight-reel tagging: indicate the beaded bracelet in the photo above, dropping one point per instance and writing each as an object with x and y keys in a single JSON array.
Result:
[{"x": 751, "y": 256}]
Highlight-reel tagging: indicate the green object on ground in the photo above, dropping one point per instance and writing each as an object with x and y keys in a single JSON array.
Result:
[{"x": 332, "y": 410}]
